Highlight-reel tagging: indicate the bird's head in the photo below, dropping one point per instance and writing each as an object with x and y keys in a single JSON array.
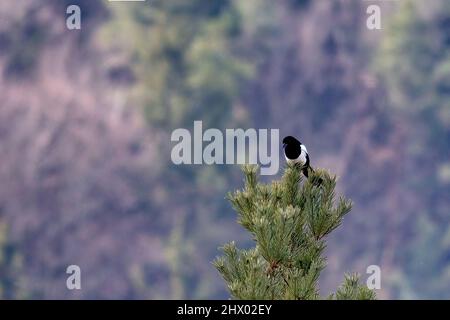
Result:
[{"x": 290, "y": 140}]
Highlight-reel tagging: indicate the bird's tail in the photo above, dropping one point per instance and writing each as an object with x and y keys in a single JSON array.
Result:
[{"x": 305, "y": 172}]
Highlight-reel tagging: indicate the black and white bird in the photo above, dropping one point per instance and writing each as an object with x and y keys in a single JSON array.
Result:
[{"x": 295, "y": 151}]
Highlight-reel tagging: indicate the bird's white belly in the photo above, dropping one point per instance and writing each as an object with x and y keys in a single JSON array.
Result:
[{"x": 301, "y": 158}]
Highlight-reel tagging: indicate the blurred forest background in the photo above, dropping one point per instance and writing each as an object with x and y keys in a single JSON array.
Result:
[{"x": 86, "y": 118}]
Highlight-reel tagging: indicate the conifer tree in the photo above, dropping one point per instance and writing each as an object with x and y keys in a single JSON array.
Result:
[{"x": 289, "y": 221}]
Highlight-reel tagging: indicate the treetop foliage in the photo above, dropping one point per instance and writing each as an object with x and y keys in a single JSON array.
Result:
[{"x": 289, "y": 221}]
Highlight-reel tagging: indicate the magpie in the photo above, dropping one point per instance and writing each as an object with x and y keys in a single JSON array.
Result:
[{"x": 295, "y": 152}]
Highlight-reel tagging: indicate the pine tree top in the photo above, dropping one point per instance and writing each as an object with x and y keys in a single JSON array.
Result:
[{"x": 289, "y": 220}]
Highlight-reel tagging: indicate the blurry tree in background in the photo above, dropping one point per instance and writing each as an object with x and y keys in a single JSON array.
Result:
[
  {"x": 185, "y": 58},
  {"x": 77, "y": 167},
  {"x": 183, "y": 55},
  {"x": 11, "y": 285},
  {"x": 414, "y": 63}
]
